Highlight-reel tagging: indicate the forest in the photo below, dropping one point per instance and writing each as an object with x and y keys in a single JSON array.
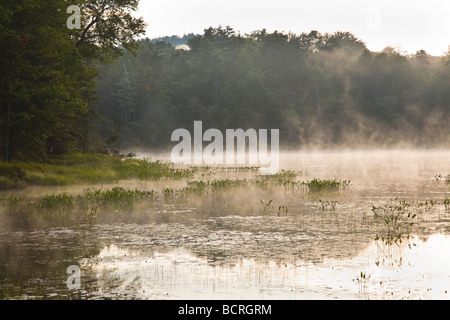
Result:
[
  {"x": 319, "y": 90},
  {"x": 106, "y": 86}
]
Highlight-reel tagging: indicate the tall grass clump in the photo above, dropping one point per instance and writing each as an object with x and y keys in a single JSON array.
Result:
[
  {"x": 217, "y": 185},
  {"x": 143, "y": 169},
  {"x": 115, "y": 197},
  {"x": 203, "y": 186},
  {"x": 318, "y": 185},
  {"x": 198, "y": 187},
  {"x": 286, "y": 178},
  {"x": 58, "y": 202},
  {"x": 92, "y": 200}
]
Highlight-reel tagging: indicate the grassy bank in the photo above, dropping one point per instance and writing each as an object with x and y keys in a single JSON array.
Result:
[{"x": 78, "y": 169}]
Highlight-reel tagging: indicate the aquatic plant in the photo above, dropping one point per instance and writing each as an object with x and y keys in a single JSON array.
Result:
[
  {"x": 92, "y": 200},
  {"x": 362, "y": 280},
  {"x": 285, "y": 178},
  {"x": 330, "y": 205},
  {"x": 224, "y": 168},
  {"x": 282, "y": 210},
  {"x": 217, "y": 185},
  {"x": 265, "y": 206},
  {"x": 11, "y": 203},
  {"x": 198, "y": 187},
  {"x": 92, "y": 214},
  {"x": 168, "y": 193},
  {"x": 61, "y": 202},
  {"x": 318, "y": 185},
  {"x": 426, "y": 205},
  {"x": 238, "y": 169},
  {"x": 115, "y": 195},
  {"x": 440, "y": 177},
  {"x": 362, "y": 277},
  {"x": 397, "y": 219},
  {"x": 447, "y": 203}
]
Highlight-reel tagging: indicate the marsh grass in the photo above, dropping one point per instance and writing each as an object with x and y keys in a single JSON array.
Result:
[
  {"x": 87, "y": 169},
  {"x": 60, "y": 202},
  {"x": 289, "y": 180},
  {"x": 116, "y": 197},
  {"x": 91, "y": 201},
  {"x": 224, "y": 168},
  {"x": 224, "y": 184},
  {"x": 318, "y": 185},
  {"x": 90, "y": 168},
  {"x": 198, "y": 187},
  {"x": 286, "y": 178},
  {"x": 201, "y": 187}
]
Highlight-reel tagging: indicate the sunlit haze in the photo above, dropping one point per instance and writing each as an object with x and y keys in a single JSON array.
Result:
[
  {"x": 212, "y": 151},
  {"x": 409, "y": 25}
]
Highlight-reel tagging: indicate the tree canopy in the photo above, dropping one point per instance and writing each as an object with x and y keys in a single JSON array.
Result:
[
  {"x": 47, "y": 74},
  {"x": 324, "y": 90}
]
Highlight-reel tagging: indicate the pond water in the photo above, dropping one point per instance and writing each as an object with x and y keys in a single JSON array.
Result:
[{"x": 228, "y": 245}]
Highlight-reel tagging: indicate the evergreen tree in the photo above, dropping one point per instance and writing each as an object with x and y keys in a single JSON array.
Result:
[{"x": 47, "y": 72}]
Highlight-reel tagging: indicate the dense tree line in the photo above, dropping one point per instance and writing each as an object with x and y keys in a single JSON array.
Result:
[
  {"x": 318, "y": 89},
  {"x": 48, "y": 71},
  {"x": 68, "y": 90}
]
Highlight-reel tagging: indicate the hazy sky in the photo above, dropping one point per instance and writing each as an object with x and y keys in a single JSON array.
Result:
[{"x": 408, "y": 24}]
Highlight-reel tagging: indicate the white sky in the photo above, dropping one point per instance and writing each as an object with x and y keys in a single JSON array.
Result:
[{"x": 408, "y": 24}]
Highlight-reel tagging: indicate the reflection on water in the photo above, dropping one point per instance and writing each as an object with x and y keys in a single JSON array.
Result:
[
  {"x": 422, "y": 274},
  {"x": 224, "y": 246}
]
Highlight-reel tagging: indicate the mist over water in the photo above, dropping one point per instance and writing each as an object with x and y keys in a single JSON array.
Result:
[
  {"x": 356, "y": 205},
  {"x": 226, "y": 245}
]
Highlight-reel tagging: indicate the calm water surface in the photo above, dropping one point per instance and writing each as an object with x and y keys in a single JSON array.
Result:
[{"x": 225, "y": 246}]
